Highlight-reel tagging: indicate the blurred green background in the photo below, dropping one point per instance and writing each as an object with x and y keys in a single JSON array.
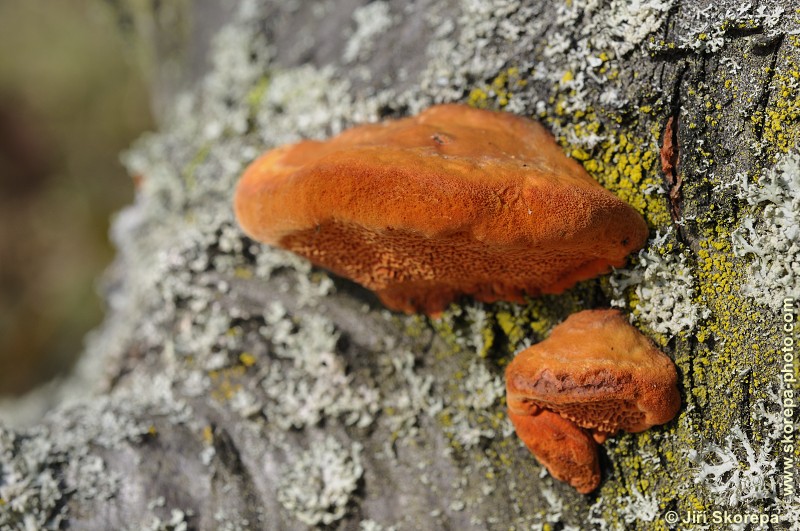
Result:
[{"x": 72, "y": 97}]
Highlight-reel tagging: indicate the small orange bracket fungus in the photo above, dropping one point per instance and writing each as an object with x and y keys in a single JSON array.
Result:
[
  {"x": 568, "y": 452},
  {"x": 593, "y": 376},
  {"x": 449, "y": 202}
]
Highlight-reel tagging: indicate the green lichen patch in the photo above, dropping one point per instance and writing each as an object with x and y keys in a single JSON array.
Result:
[
  {"x": 499, "y": 92},
  {"x": 625, "y": 162}
]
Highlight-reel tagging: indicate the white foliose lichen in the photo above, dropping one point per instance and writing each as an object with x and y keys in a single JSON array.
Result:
[
  {"x": 638, "y": 507},
  {"x": 635, "y": 509},
  {"x": 664, "y": 287},
  {"x": 412, "y": 400},
  {"x": 736, "y": 471},
  {"x": 29, "y": 493},
  {"x": 495, "y": 34},
  {"x": 372, "y": 525},
  {"x": 38, "y": 471},
  {"x": 323, "y": 107},
  {"x": 616, "y": 26},
  {"x": 770, "y": 233},
  {"x": 473, "y": 412},
  {"x": 705, "y": 24},
  {"x": 595, "y": 515},
  {"x": 743, "y": 470},
  {"x": 611, "y": 31},
  {"x": 316, "y": 488},
  {"x": 178, "y": 521},
  {"x": 315, "y": 384},
  {"x": 371, "y": 20},
  {"x": 478, "y": 321}
]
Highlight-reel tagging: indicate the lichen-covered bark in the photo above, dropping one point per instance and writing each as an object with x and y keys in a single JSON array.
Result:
[{"x": 235, "y": 387}]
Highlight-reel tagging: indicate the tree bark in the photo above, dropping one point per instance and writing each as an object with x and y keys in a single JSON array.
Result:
[{"x": 233, "y": 386}]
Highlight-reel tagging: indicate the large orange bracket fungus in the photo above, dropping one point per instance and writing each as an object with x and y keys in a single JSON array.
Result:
[
  {"x": 593, "y": 376},
  {"x": 449, "y": 202}
]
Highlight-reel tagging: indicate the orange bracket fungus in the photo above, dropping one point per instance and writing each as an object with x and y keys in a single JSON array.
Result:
[
  {"x": 452, "y": 201},
  {"x": 593, "y": 376}
]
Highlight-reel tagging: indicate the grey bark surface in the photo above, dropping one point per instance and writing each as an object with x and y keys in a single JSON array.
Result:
[{"x": 234, "y": 386}]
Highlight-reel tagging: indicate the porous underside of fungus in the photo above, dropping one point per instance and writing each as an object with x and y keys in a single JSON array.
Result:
[
  {"x": 452, "y": 201},
  {"x": 597, "y": 373}
]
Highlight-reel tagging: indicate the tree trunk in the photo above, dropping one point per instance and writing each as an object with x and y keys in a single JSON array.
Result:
[{"x": 233, "y": 386}]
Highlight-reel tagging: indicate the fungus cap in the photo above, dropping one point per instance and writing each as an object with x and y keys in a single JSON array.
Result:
[
  {"x": 598, "y": 371},
  {"x": 568, "y": 452},
  {"x": 452, "y": 201}
]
